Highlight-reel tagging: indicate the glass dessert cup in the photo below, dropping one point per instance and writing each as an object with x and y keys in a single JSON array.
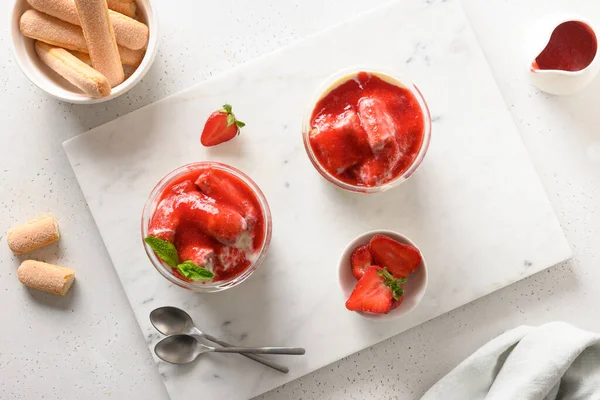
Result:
[
  {"x": 335, "y": 81},
  {"x": 205, "y": 286}
]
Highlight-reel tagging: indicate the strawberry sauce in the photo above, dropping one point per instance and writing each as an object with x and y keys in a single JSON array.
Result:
[
  {"x": 213, "y": 218},
  {"x": 367, "y": 131},
  {"x": 572, "y": 47}
]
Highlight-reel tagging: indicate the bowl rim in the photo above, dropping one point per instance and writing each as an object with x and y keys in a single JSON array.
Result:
[
  {"x": 345, "y": 256},
  {"x": 77, "y": 98},
  {"x": 165, "y": 270},
  {"x": 390, "y": 75}
]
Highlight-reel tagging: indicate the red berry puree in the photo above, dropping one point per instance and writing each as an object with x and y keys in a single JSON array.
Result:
[
  {"x": 572, "y": 47},
  {"x": 213, "y": 218},
  {"x": 367, "y": 131}
]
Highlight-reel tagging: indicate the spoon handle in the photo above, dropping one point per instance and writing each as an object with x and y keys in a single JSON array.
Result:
[
  {"x": 259, "y": 359},
  {"x": 261, "y": 350}
]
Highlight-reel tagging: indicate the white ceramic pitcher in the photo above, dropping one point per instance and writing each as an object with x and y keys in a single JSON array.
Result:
[{"x": 554, "y": 81}]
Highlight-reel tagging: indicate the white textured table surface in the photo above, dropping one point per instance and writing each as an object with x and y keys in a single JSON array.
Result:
[{"x": 88, "y": 345}]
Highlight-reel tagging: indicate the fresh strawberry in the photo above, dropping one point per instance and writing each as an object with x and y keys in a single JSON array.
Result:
[
  {"x": 399, "y": 259},
  {"x": 220, "y": 127},
  {"x": 375, "y": 292},
  {"x": 361, "y": 260}
]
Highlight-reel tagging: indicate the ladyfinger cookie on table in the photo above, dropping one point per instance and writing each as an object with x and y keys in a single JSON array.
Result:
[
  {"x": 126, "y": 7},
  {"x": 33, "y": 235},
  {"x": 128, "y": 32},
  {"x": 46, "y": 277},
  {"x": 80, "y": 74},
  {"x": 100, "y": 38}
]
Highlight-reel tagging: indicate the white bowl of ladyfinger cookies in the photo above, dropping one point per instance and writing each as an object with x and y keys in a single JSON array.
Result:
[{"x": 84, "y": 51}]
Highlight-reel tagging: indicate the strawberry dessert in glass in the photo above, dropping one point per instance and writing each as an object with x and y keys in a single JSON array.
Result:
[
  {"x": 367, "y": 131},
  {"x": 206, "y": 227}
]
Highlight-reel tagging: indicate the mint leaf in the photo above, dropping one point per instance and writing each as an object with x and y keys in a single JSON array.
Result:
[
  {"x": 163, "y": 249},
  {"x": 191, "y": 271},
  {"x": 240, "y": 124},
  {"x": 227, "y": 108},
  {"x": 230, "y": 120}
]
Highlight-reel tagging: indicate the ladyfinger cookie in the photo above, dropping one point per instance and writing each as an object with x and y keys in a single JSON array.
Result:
[
  {"x": 40, "y": 26},
  {"x": 133, "y": 58},
  {"x": 130, "y": 58},
  {"x": 47, "y": 277},
  {"x": 128, "y": 32},
  {"x": 37, "y": 25},
  {"x": 125, "y": 7},
  {"x": 100, "y": 38},
  {"x": 85, "y": 57},
  {"x": 80, "y": 74},
  {"x": 33, "y": 235},
  {"x": 129, "y": 70}
]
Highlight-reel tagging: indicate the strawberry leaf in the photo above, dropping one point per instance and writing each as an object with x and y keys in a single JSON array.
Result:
[
  {"x": 230, "y": 120},
  {"x": 397, "y": 290},
  {"x": 163, "y": 249},
  {"x": 394, "y": 284},
  {"x": 385, "y": 274},
  {"x": 227, "y": 109},
  {"x": 240, "y": 124}
]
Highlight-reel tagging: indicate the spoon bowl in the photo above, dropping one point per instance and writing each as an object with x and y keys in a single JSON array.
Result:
[
  {"x": 171, "y": 321},
  {"x": 183, "y": 349},
  {"x": 178, "y": 349}
]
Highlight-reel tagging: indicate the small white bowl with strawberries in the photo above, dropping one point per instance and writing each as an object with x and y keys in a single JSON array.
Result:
[{"x": 383, "y": 275}]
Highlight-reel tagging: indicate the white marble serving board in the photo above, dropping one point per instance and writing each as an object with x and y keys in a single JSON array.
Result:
[{"x": 475, "y": 207}]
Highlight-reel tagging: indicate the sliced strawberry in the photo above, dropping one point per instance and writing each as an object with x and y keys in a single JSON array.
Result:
[
  {"x": 398, "y": 258},
  {"x": 361, "y": 260},
  {"x": 375, "y": 292},
  {"x": 371, "y": 294},
  {"x": 221, "y": 126},
  {"x": 339, "y": 141}
]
